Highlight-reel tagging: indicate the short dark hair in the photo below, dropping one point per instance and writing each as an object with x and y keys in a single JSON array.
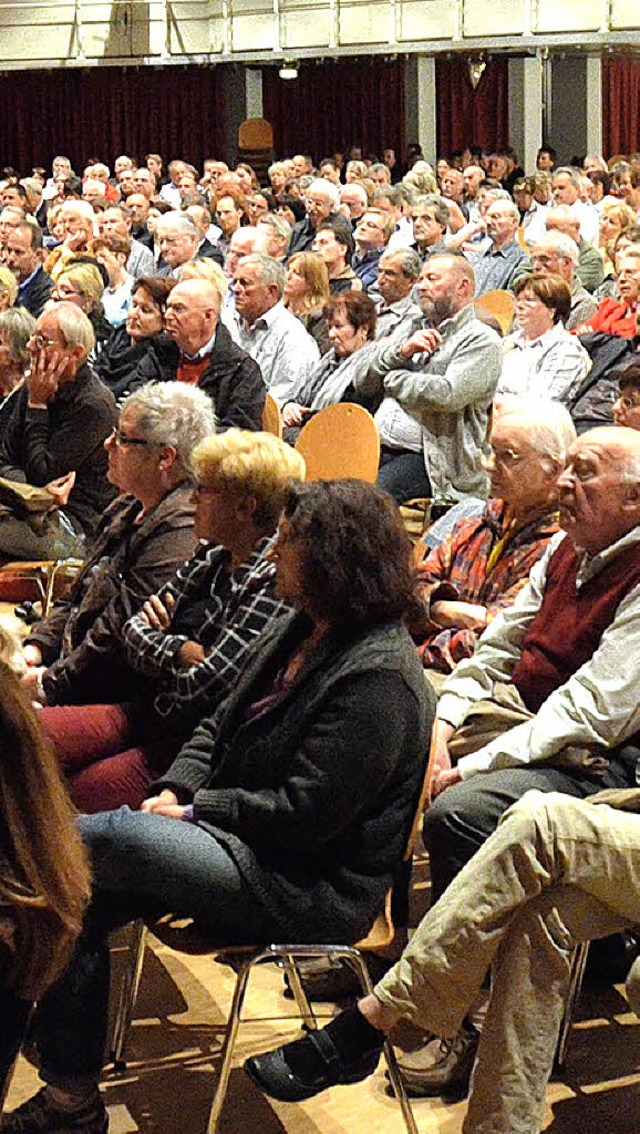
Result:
[
  {"x": 629, "y": 378},
  {"x": 288, "y": 201},
  {"x": 158, "y": 287},
  {"x": 343, "y": 232},
  {"x": 544, "y": 149},
  {"x": 356, "y": 556},
  {"x": 358, "y": 307}
]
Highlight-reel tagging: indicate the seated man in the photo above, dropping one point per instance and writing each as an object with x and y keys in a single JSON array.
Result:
[
  {"x": 22, "y": 256},
  {"x": 496, "y": 267},
  {"x": 557, "y": 872},
  {"x": 276, "y": 339},
  {"x": 197, "y": 348},
  {"x": 371, "y": 236},
  {"x": 54, "y": 440},
  {"x": 484, "y": 563},
  {"x": 444, "y": 375}
]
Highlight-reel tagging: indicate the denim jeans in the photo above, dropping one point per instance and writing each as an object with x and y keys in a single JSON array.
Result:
[
  {"x": 144, "y": 865},
  {"x": 558, "y": 871}
]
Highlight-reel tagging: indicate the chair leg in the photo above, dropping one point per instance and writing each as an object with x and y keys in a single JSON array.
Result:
[
  {"x": 128, "y": 995},
  {"x": 230, "y": 1036},
  {"x": 576, "y": 976},
  {"x": 307, "y": 1015}
]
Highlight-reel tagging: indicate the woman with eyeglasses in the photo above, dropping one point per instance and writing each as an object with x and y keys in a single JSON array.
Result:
[
  {"x": 186, "y": 646},
  {"x": 76, "y": 654},
  {"x": 81, "y": 282}
]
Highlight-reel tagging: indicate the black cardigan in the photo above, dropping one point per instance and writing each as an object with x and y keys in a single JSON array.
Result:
[{"x": 314, "y": 797}]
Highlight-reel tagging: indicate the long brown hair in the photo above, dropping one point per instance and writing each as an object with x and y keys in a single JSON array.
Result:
[{"x": 44, "y": 874}]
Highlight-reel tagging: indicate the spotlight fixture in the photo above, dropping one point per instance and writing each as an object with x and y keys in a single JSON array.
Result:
[{"x": 288, "y": 69}]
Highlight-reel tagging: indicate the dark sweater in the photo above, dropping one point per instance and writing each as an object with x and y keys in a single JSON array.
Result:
[
  {"x": 567, "y": 629},
  {"x": 314, "y": 796},
  {"x": 232, "y": 379},
  {"x": 39, "y": 445}
]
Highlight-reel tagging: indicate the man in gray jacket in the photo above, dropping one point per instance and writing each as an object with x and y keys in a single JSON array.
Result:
[{"x": 444, "y": 375}]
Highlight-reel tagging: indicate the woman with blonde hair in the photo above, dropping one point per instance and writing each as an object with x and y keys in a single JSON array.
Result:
[
  {"x": 306, "y": 291},
  {"x": 615, "y": 217},
  {"x": 81, "y": 282},
  {"x": 44, "y": 875},
  {"x": 187, "y": 644},
  {"x": 8, "y": 288}
]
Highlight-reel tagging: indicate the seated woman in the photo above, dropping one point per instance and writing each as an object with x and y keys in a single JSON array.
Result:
[
  {"x": 8, "y": 288},
  {"x": 542, "y": 359},
  {"x": 112, "y": 251},
  {"x": 44, "y": 875},
  {"x": 81, "y": 282},
  {"x": 483, "y": 564},
  {"x": 189, "y": 642},
  {"x": 286, "y": 815},
  {"x": 76, "y": 654},
  {"x": 16, "y": 328},
  {"x": 351, "y": 323},
  {"x": 335, "y": 246},
  {"x": 130, "y": 342},
  {"x": 306, "y": 292}
]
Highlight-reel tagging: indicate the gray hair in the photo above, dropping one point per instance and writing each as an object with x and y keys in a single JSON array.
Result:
[
  {"x": 172, "y": 413},
  {"x": 550, "y": 429},
  {"x": 331, "y": 191},
  {"x": 380, "y": 167},
  {"x": 498, "y": 194},
  {"x": 391, "y": 193},
  {"x": 353, "y": 185},
  {"x": 182, "y": 222},
  {"x": 571, "y": 172},
  {"x": 563, "y": 244},
  {"x": 410, "y": 262},
  {"x": 75, "y": 327},
  {"x": 270, "y": 271},
  {"x": 278, "y": 224},
  {"x": 16, "y": 327},
  {"x": 509, "y": 206},
  {"x": 441, "y": 211}
]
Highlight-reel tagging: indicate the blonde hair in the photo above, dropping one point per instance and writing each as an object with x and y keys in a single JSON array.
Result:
[
  {"x": 85, "y": 277},
  {"x": 44, "y": 873},
  {"x": 205, "y": 269},
  {"x": 316, "y": 275},
  {"x": 8, "y": 284},
  {"x": 254, "y": 464},
  {"x": 424, "y": 183}
]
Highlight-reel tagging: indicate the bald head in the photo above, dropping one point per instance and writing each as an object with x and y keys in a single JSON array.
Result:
[
  {"x": 192, "y": 314},
  {"x": 599, "y": 491},
  {"x": 244, "y": 242}
]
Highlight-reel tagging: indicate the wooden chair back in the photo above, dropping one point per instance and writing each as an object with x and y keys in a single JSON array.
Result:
[
  {"x": 271, "y": 416},
  {"x": 500, "y": 304},
  {"x": 340, "y": 441}
]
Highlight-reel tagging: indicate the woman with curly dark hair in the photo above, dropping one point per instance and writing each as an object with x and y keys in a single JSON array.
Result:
[{"x": 286, "y": 814}]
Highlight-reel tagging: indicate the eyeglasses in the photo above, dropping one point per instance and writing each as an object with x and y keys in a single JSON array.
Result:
[
  {"x": 120, "y": 439},
  {"x": 41, "y": 342},
  {"x": 506, "y": 457}
]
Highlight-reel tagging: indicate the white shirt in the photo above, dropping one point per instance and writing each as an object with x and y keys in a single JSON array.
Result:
[
  {"x": 284, "y": 351},
  {"x": 551, "y": 366}
]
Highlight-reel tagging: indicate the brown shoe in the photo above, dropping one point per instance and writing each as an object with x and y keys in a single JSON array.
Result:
[{"x": 442, "y": 1067}]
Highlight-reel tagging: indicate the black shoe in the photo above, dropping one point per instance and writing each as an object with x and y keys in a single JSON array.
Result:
[
  {"x": 38, "y": 1116},
  {"x": 442, "y": 1068},
  {"x": 273, "y": 1075}
]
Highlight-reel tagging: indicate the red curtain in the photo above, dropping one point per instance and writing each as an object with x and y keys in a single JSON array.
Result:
[
  {"x": 468, "y": 117},
  {"x": 336, "y": 105},
  {"x": 620, "y": 105},
  {"x": 107, "y": 111}
]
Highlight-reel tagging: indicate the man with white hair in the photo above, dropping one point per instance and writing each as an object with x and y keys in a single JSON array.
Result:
[
  {"x": 495, "y": 267},
  {"x": 566, "y": 191},
  {"x": 278, "y": 232},
  {"x": 353, "y": 201},
  {"x": 178, "y": 238},
  {"x": 322, "y": 200},
  {"x": 198, "y": 349},
  {"x": 79, "y": 228},
  {"x": 590, "y": 269},
  {"x": 276, "y": 339},
  {"x": 54, "y": 440},
  {"x": 556, "y": 254}
]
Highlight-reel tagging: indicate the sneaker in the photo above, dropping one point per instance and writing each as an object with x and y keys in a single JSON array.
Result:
[
  {"x": 38, "y": 1116},
  {"x": 442, "y": 1067}
]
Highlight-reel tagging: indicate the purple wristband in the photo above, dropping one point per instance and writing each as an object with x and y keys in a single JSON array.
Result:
[{"x": 187, "y": 814}]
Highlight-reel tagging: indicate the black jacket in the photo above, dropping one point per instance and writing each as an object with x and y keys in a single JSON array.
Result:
[
  {"x": 39, "y": 445},
  {"x": 36, "y": 293},
  {"x": 232, "y": 379},
  {"x": 119, "y": 359},
  {"x": 592, "y": 403},
  {"x": 313, "y": 796},
  {"x": 302, "y": 237}
]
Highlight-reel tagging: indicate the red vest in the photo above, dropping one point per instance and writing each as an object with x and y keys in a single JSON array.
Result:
[{"x": 567, "y": 629}]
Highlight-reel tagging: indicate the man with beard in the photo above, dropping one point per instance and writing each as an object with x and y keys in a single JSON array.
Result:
[{"x": 444, "y": 375}]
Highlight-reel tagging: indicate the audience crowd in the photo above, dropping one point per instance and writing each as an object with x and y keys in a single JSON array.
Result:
[{"x": 250, "y": 676}]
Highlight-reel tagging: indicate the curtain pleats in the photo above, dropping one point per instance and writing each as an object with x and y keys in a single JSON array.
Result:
[{"x": 468, "y": 117}]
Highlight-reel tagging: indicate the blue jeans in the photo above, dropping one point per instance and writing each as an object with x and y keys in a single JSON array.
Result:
[{"x": 144, "y": 865}]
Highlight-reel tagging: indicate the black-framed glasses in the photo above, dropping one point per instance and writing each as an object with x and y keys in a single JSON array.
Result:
[{"x": 121, "y": 439}]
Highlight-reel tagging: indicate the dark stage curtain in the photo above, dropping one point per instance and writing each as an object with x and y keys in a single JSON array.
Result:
[
  {"x": 468, "y": 117},
  {"x": 620, "y": 105},
  {"x": 336, "y": 105},
  {"x": 107, "y": 111}
]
